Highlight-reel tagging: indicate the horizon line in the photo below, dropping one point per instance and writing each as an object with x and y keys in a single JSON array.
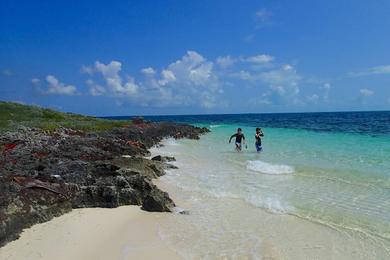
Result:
[{"x": 251, "y": 113}]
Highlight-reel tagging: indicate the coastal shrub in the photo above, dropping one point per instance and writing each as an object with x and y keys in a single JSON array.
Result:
[{"x": 13, "y": 115}]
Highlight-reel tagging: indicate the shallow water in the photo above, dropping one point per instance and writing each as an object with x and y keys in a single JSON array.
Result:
[
  {"x": 337, "y": 181},
  {"x": 319, "y": 190}
]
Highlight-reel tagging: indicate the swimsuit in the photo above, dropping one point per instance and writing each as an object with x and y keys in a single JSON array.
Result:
[
  {"x": 258, "y": 147},
  {"x": 239, "y": 138},
  {"x": 258, "y": 144}
]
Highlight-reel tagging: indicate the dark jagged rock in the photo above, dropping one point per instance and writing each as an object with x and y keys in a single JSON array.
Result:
[
  {"x": 43, "y": 175},
  {"x": 157, "y": 200},
  {"x": 163, "y": 158}
]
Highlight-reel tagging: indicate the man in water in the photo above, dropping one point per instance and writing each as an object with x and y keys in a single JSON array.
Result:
[
  {"x": 258, "y": 135},
  {"x": 239, "y": 138}
]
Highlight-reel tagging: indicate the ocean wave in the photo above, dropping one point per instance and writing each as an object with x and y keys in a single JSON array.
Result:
[
  {"x": 269, "y": 168},
  {"x": 214, "y": 126}
]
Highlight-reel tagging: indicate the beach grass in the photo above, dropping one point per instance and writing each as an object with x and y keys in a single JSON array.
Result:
[{"x": 13, "y": 115}]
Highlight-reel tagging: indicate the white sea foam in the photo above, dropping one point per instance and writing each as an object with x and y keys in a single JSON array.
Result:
[
  {"x": 170, "y": 141},
  {"x": 269, "y": 168},
  {"x": 214, "y": 126},
  {"x": 271, "y": 204}
]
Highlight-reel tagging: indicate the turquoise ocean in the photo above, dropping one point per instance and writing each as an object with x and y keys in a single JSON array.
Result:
[{"x": 327, "y": 169}]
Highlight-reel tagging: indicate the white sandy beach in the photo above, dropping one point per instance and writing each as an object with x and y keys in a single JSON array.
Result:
[{"x": 121, "y": 233}]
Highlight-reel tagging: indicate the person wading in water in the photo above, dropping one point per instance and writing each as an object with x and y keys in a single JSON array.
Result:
[
  {"x": 258, "y": 135},
  {"x": 239, "y": 139}
]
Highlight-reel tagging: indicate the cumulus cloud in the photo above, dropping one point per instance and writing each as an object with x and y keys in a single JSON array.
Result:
[
  {"x": 95, "y": 89},
  {"x": 366, "y": 92},
  {"x": 167, "y": 76},
  {"x": 189, "y": 80},
  {"x": 194, "y": 80},
  {"x": 191, "y": 69},
  {"x": 283, "y": 80},
  {"x": 55, "y": 87},
  {"x": 384, "y": 69},
  {"x": 114, "y": 82}
]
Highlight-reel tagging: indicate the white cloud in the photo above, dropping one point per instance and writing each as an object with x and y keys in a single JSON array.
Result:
[
  {"x": 87, "y": 70},
  {"x": 262, "y": 100},
  {"x": 114, "y": 82},
  {"x": 35, "y": 81},
  {"x": 257, "y": 62},
  {"x": 260, "y": 59},
  {"x": 285, "y": 76},
  {"x": 284, "y": 82},
  {"x": 56, "y": 87},
  {"x": 95, "y": 89},
  {"x": 384, "y": 69},
  {"x": 130, "y": 88},
  {"x": 188, "y": 81},
  {"x": 167, "y": 76},
  {"x": 192, "y": 68},
  {"x": 366, "y": 92},
  {"x": 193, "y": 80},
  {"x": 225, "y": 61},
  {"x": 243, "y": 75},
  {"x": 148, "y": 71}
]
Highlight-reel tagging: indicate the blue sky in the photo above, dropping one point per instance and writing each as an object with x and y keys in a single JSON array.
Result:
[{"x": 190, "y": 57}]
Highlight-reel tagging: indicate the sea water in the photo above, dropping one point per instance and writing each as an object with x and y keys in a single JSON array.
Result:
[{"x": 320, "y": 189}]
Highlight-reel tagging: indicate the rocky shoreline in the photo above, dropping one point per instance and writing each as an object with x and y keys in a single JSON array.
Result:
[{"x": 46, "y": 174}]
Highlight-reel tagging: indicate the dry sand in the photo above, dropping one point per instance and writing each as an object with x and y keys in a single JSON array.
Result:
[{"x": 121, "y": 233}]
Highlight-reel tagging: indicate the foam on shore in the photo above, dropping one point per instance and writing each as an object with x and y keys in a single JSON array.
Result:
[{"x": 269, "y": 168}]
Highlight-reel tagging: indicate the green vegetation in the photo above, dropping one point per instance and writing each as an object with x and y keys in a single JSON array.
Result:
[{"x": 13, "y": 115}]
